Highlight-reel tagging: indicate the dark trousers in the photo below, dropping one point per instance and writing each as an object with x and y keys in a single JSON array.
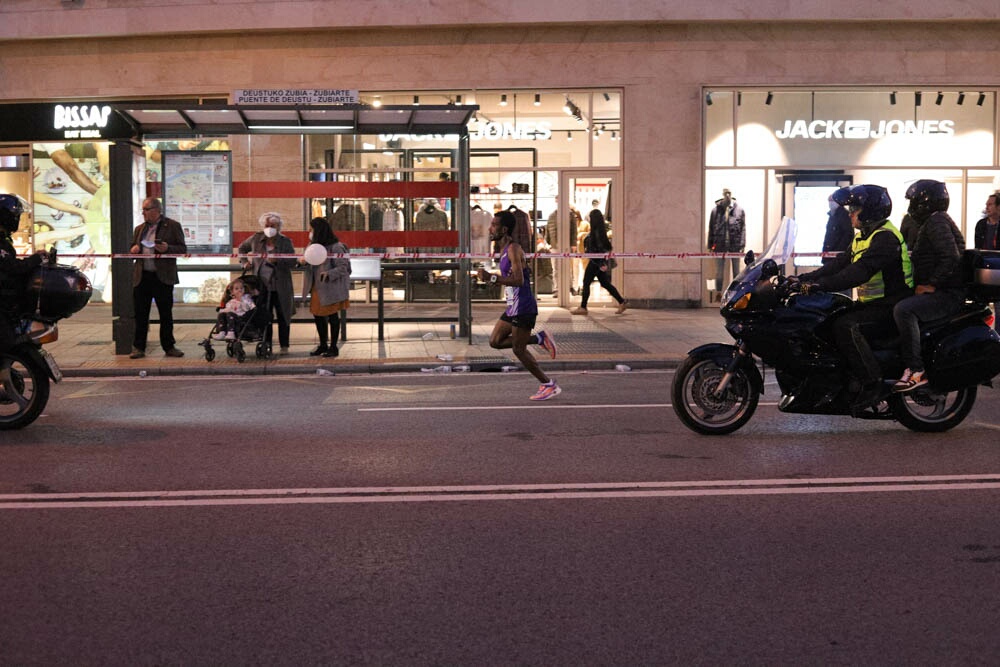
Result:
[
  {"x": 327, "y": 323},
  {"x": 284, "y": 326},
  {"x": 150, "y": 288},
  {"x": 592, "y": 271},
  {"x": 851, "y": 332}
]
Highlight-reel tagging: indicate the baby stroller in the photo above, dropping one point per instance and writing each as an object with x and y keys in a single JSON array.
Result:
[{"x": 254, "y": 325}]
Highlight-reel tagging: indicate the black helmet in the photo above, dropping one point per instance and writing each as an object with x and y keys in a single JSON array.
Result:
[
  {"x": 841, "y": 196},
  {"x": 10, "y": 212},
  {"x": 872, "y": 202},
  {"x": 926, "y": 197}
]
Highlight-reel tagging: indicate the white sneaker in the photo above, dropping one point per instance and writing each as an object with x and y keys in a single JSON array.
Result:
[
  {"x": 230, "y": 335},
  {"x": 219, "y": 336},
  {"x": 910, "y": 381}
]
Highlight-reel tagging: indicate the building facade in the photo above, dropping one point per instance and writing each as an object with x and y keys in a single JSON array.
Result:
[{"x": 657, "y": 64}]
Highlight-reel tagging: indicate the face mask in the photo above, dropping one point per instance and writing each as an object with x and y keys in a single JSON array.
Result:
[{"x": 270, "y": 232}]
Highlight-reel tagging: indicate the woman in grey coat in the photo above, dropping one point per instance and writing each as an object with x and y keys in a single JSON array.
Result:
[
  {"x": 328, "y": 287},
  {"x": 275, "y": 273}
]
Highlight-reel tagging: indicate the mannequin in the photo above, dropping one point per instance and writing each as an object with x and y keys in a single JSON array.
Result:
[
  {"x": 726, "y": 233},
  {"x": 479, "y": 231}
]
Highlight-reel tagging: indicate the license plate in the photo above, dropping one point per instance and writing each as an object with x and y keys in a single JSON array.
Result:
[{"x": 53, "y": 366}]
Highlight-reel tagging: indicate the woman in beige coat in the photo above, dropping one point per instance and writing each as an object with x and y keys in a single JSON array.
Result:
[{"x": 328, "y": 286}]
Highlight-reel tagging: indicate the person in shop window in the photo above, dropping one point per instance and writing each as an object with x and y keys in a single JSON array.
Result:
[
  {"x": 878, "y": 264},
  {"x": 726, "y": 233},
  {"x": 986, "y": 235}
]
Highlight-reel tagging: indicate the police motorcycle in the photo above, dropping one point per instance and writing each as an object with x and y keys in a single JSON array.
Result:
[
  {"x": 50, "y": 293},
  {"x": 717, "y": 387}
]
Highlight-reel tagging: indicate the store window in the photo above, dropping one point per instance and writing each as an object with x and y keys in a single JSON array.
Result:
[{"x": 781, "y": 152}]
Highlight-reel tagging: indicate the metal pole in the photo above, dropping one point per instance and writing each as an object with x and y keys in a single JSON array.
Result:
[{"x": 464, "y": 235}]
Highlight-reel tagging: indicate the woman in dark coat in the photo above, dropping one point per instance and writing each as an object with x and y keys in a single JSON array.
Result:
[
  {"x": 597, "y": 241},
  {"x": 328, "y": 286}
]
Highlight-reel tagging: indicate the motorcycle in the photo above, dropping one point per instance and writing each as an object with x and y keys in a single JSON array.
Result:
[
  {"x": 52, "y": 292},
  {"x": 717, "y": 388}
]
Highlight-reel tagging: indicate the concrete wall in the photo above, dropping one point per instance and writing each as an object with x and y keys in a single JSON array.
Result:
[{"x": 661, "y": 68}]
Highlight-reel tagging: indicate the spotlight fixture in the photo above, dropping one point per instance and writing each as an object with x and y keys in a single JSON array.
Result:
[
  {"x": 614, "y": 136},
  {"x": 918, "y": 97},
  {"x": 982, "y": 98},
  {"x": 571, "y": 109},
  {"x": 503, "y": 100},
  {"x": 377, "y": 102},
  {"x": 739, "y": 99},
  {"x": 538, "y": 100},
  {"x": 607, "y": 98},
  {"x": 769, "y": 99},
  {"x": 416, "y": 100},
  {"x": 569, "y": 135},
  {"x": 892, "y": 97},
  {"x": 458, "y": 99},
  {"x": 708, "y": 99},
  {"x": 940, "y": 98},
  {"x": 961, "y": 98}
]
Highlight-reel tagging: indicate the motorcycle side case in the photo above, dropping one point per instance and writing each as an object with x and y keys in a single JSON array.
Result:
[
  {"x": 966, "y": 357},
  {"x": 982, "y": 274}
]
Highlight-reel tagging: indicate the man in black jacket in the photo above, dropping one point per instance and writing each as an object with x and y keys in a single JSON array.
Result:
[
  {"x": 877, "y": 264},
  {"x": 937, "y": 274},
  {"x": 13, "y": 271}
]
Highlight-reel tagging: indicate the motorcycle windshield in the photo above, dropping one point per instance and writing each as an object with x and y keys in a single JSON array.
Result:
[{"x": 780, "y": 249}]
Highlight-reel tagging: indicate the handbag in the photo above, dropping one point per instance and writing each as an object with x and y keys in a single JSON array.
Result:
[{"x": 612, "y": 263}]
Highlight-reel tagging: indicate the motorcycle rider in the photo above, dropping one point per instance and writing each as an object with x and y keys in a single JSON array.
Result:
[
  {"x": 878, "y": 265},
  {"x": 937, "y": 261},
  {"x": 12, "y": 269}
]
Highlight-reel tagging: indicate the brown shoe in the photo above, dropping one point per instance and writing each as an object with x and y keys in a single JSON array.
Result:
[
  {"x": 173, "y": 352},
  {"x": 137, "y": 353},
  {"x": 578, "y": 311},
  {"x": 623, "y": 306}
]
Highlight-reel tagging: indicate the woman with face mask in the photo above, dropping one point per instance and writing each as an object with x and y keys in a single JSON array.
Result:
[{"x": 274, "y": 272}]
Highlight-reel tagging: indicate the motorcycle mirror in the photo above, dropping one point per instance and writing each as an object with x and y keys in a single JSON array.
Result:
[
  {"x": 749, "y": 258},
  {"x": 768, "y": 269}
]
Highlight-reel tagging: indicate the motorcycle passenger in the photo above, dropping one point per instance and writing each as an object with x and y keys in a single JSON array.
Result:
[
  {"x": 12, "y": 269},
  {"x": 937, "y": 260},
  {"x": 878, "y": 265}
]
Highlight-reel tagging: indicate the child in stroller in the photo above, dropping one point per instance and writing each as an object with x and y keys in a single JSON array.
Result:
[
  {"x": 244, "y": 315},
  {"x": 232, "y": 315}
]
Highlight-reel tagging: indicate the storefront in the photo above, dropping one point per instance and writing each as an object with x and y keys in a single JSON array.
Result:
[{"x": 781, "y": 152}]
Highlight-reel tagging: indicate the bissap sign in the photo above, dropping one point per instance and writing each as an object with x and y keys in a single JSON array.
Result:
[
  {"x": 863, "y": 129},
  {"x": 79, "y": 121}
]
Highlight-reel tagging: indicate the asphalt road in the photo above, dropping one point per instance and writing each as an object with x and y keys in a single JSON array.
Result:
[{"x": 432, "y": 519}]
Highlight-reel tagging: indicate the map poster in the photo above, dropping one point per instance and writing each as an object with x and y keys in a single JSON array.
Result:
[{"x": 198, "y": 193}]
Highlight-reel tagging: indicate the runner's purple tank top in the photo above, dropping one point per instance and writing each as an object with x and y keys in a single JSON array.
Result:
[{"x": 520, "y": 299}]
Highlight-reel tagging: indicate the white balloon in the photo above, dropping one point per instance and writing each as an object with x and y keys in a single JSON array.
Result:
[{"x": 315, "y": 254}]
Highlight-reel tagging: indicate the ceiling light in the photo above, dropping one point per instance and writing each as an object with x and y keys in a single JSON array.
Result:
[
  {"x": 961, "y": 99},
  {"x": 503, "y": 100},
  {"x": 769, "y": 99},
  {"x": 939, "y": 99},
  {"x": 458, "y": 99},
  {"x": 569, "y": 136},
  {"x": 377, "y": 102},
  {"x": 416, "y": 100},
  {"x": 982, "y": 98},
  {"x": 614, "y": 136},
  {"x": 538, "y": 99},
  {"x": 708, "y": 99},
  {"x": 607, "y": 98},
  {"x": 918, "y": 97},
  {"x": 892, "y": 97}
]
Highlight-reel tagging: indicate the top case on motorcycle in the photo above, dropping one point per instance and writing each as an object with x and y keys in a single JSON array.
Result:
[{"x": 981, "y": 273}]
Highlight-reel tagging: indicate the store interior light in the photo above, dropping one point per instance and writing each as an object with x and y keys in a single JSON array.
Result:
[
  {"x": 569, "y": 135},
  {"x": 538, "y": 100},
  {"x": 416, "y": 100},
  {"x": 739, "y": 99},
  {"x": 892, "y": 97},
  {"x": 458, "y": 99},
  {"x": 769, "y": 99},
  {"x": 939, "y": 99},
  {"x": 961, "y": 98},
  {"x": 607, "y": 98},
  {"x": 981, "y": 100},
  {"x": 708, "y": 99},
  {"x": 614, "y": 136},
  {"x": 918, "y": 98},
  {"x": 503, "y": 100},
  {"x": 377, "y": 102}
]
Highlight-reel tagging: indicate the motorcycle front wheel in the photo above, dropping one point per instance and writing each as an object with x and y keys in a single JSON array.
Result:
[
  {"x": 24, "y": 391},
  {"x": 929, "y": 411},
  {"x": 700, "y": 409}
]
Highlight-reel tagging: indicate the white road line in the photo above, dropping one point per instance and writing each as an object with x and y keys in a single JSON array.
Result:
[
  {"x": 532, "y": 406},
  {"x": 684, "y": 489}
]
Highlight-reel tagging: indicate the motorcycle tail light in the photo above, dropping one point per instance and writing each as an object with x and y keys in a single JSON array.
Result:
[
  {"x": 990, "y": 320},
  {"x": 742, "y": 302}
]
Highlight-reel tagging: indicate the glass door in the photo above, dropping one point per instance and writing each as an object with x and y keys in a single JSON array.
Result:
[{"x": 581, "y": 192}]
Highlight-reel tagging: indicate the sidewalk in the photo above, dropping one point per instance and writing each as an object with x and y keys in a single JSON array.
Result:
[{"x": 601, "y": 340}]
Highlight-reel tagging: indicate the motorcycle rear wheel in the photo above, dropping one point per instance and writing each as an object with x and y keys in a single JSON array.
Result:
[
  {"x": 928, "y": 411},
  {"x": 697, "y": 406},
  {"x": 24, "y": 391}
]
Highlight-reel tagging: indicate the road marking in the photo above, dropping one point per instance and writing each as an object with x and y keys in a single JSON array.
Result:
[
  {"x": 532, "y": 406},
  {"x": 420, "y": 494}
]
